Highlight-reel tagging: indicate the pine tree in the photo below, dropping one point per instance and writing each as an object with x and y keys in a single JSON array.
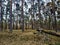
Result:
[
  {"x": 10, "y": 12},
  {"x": 1, "y": 16},
  {"x": 22, "y": 17}
]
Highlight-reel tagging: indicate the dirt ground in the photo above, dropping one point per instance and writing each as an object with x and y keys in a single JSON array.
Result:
[{"x": 29, "y": 37}]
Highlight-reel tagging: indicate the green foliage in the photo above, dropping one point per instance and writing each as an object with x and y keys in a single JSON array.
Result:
[
  {"x": 59, "y": 22},
  {"x": 57, "y": 43}
]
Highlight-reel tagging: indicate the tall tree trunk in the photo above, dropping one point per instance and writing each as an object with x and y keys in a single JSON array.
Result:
[
  {"x": 10, "y": 15},
  {"x": 55, "y": 21},
  {"x": 1, "y": 16},
  {"x": 49, "y": 22},
  {"x": 39, "y": 12},
  {"x": 33, "y": 14},
  {"x": 17, "y": 22},
  {"x": 13, "y": 22},
  {"x": 22, "y": 17},
  {"x": 6, "y": 19}
]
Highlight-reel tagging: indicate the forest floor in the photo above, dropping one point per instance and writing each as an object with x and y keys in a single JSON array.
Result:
[{"x": 28, "y": 37}]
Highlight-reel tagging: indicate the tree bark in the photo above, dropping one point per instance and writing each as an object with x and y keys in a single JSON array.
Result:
[
  {"x": 1, "y": 16},
  {"x": 10, "y": 15},
  {"x": 39, "y": 12},
  {"x": 32, "y": 14},
  {"x": 22, "y": 17},
  {"x": 55, "y": 21}
]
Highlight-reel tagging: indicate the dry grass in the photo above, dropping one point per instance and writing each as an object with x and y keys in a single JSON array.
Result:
[{"x": 17, "y": 37}]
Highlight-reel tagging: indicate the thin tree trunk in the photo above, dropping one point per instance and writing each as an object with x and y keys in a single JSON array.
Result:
[
  {"x": 13, "y": 22},
  {"x": 1, "y": 16},
  {"x": 39, "y": 12},
  {"x": 49, "y": 22},
  {"x": 6, "y": 19},
  {"x": 17, "y": 22},
  {"x": 10, "y": 15},
  {"x": 55, "y": 21},
  {"x": 33, "y": 14},
  {"x": 22, "y": 18}
]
